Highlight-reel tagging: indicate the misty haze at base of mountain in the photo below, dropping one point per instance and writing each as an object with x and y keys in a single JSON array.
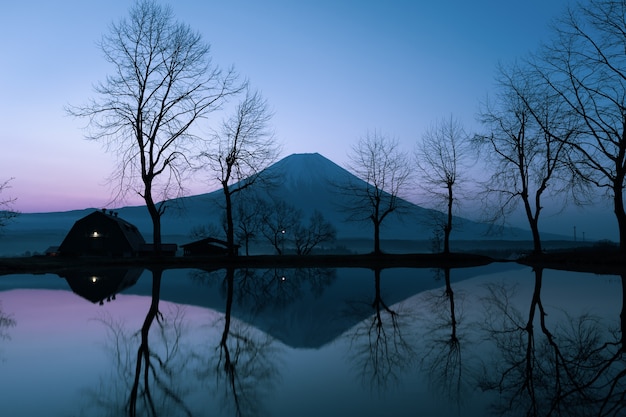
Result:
[{"x": 307, "y": 182}]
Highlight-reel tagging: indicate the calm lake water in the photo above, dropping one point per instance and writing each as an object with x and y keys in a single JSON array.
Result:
[{"x": 495, "y": 340}]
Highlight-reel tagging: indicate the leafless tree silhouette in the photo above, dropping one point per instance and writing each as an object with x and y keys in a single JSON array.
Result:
[
  {"x": 318, "y": 231},
  {"x": 248, "y": 221},
  {"x": 379, "y": 161},
  {"x": 526, "y": 144},
  {"x": 585, "y": 66},
  {"x": 441, "y": 156},
  {"x": 240, "y": 151},
  {"x": 162, "y": 83},
  {"x": 279, "y": 222}
]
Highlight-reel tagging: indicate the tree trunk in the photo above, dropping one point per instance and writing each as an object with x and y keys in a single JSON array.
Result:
[
  {"x": 620, "y": 215},
  {"x": 534, "y": 229},
  {"x": 156, "y": 220},
  {"x": 448, "y": 227},
  {"x": 622, "y": 315},
  {"x": 377, "y": 238},
  {"x": 376, "y": 220},
  {"x": 230, "y": 281},
  {"x": 230, "y": 228},
  {"x": 143, "y": 353},
  {"x": 450, "y": 295},
  {"x": 533, "y": 222}
]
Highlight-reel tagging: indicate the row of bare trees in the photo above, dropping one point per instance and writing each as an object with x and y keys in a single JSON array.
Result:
[
  {"x": 558, "y": 126},
  {"x": 555, "y": 129},
  {"x": 149, "y": 112},
  {"x": 273, "y": 221},
  {"x": 384, "y": 173},
  {"x": 560, "y": 120}
]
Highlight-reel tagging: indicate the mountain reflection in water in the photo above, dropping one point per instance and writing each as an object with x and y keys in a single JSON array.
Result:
[{"x": 500, "y": 340}]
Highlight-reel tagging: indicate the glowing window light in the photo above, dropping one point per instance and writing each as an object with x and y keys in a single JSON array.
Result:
[
  {"x": 95, "y": 234},
  {"x": 94, "y": 279}
]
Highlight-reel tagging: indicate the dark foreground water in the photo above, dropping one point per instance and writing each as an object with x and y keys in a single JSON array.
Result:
[{"x": 496, "y": 340}]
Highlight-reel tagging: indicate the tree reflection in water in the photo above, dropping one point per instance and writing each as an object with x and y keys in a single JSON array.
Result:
[
  {"x": 574, "y": 367},
  {"x": 244, "y": 367},
  {"x": 378, "y": 347},
  {"x": 443, "y": 356},
  {"x": 150, "y": 360},
  {"x": 156, "y": 377},
  {"x": 261, "y": 289},
  {"x": 6, "y": 321}
]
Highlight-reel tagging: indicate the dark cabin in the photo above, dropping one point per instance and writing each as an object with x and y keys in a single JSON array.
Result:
[
  {"x": 207, "y": 247},
  {"x": 102, "y": 233}
]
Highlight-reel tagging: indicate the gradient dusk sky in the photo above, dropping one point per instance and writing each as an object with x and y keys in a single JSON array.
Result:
[{"x": 330, "y": 69}]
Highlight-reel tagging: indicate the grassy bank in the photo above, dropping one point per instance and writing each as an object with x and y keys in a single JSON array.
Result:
[{"x": 42, "y": 264}]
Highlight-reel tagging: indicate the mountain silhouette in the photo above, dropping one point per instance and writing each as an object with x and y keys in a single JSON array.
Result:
[
  {"x": 312, "y": 182},
  {"x": 306, "y": 181}
]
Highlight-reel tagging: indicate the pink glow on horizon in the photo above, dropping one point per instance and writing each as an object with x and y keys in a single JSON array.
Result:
[
  {"x": 57, "y": 347},
  {"x": 397, "y": 68},
  {"x": 37, "y": 198},
  {"x": 30, "y": 203}
]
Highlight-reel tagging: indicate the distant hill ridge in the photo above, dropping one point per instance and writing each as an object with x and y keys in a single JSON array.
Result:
[{"x": 305, "y": 182}]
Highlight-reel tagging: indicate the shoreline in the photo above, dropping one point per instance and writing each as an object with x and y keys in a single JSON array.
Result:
[{"x": 599, "y": 262}]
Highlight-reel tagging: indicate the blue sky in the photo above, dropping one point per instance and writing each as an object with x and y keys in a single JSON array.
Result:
[{"x": 331, "y": 71}]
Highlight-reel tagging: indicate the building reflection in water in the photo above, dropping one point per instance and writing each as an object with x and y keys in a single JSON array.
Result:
[
  {"x": 98, "y": 285},
  {"x": 535, "y": 359}
]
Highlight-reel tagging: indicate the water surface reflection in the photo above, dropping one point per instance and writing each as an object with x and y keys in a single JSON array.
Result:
[
  {"x": 551, "y": 360},
  {"x": 496, "y": 340},
  {"x": 380, "y": 345}
]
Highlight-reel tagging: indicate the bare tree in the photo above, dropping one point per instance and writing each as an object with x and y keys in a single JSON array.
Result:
[
  {"x": 586, "y": 66},
  {"x": 526, "y": 146},
  {"x": 203, "y": 231},
  {"x": 318, "y": 231},
  {"x": 280, "y": 220},
  {"x": 243, "y": 148},
  {"x": 441, "y": 154},
  {"x": 6, "y": 206},
  {"x": 280, "y": 223},
  {"x": 162, "y": 82},
  {"x": 379, "y": 162},
  {"x": 249, "y": 221}
]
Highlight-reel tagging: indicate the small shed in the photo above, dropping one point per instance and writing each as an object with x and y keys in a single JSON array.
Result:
[
  {"x": 207, "y": 247},
  {"x": 167, "y": 249},
  {"x": 102, "y": 233}
]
